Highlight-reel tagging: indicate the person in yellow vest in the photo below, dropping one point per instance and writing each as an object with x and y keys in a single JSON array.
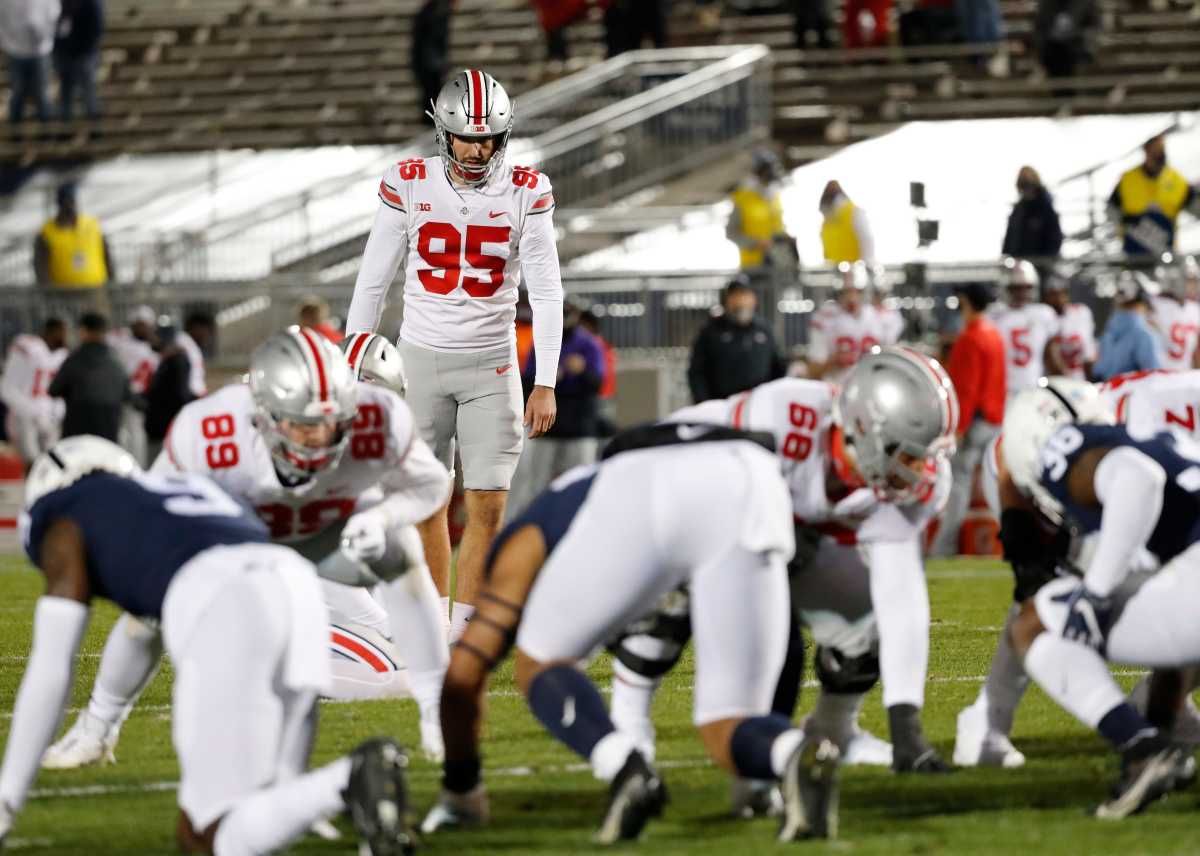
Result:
[
  {"x": 1147, "y": 200},
  {"x": 756, "y": 224},
  {"x": 70, "y": 253},
  {"x": 845, "y": 232}
]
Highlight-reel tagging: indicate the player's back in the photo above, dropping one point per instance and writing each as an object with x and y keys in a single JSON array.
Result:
[{"x": 139, "y": 531}]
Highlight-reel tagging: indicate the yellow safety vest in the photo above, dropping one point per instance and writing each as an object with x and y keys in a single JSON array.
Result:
[
  {"x": 76, "y": 257},
  {"x": 1149, "y": 207},
  {"x": 761, "y": 218},
  {"x": 838, "y": 235}
]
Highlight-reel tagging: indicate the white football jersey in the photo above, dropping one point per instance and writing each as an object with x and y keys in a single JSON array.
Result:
[
  {"x": 799, "y": 414},
  {"x": 216, "y": 436},
  {"x": 28, "y": 370},
  {"x": 1148, "y": 402},
  {"x": 464, "y": 250},
  {"x": 138, "y": 358},
  {"x": 1177, "y": 324},
  {"x": 1077, "y": 339},
  {"x": 196, "y": 374},
  {"x": 837, "y": 337},
  {"x": 1026, "y": 331}
]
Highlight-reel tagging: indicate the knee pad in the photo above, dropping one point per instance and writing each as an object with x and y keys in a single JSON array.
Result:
[
  {"x": 846, "y": 675},
  {"x": 651, "y": 647}
]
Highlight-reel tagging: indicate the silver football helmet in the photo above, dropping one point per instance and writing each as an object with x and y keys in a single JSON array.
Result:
[
  {"x": 1018, "y": 273},
  {"x": 298, "y": 377},
  {"x": 898, "y": 402},
  {"x": 72, "y": 458},
  {"x": 374, "y": 359},
  {"x": 472, "y": 105},
  {"x": 1032, "y": 416}
]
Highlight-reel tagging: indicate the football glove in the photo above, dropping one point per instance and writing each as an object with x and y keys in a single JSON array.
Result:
[
  {"x": 365, "y": 536},
  {"x": 458, "y": 810},
  {"x": 1089, "y": 617}
]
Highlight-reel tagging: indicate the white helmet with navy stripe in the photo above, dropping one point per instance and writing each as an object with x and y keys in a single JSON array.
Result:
[
  {"x": 298, "y": 377},
  {"x": 472, "y": 105},
  {"x": 72, "y": 458},
  {"x": 374, "y": 359},
  {"x": 899, "y": 413}
]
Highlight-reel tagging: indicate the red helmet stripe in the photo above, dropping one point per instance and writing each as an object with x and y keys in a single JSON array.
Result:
[
  {"x": 476, "y": 90},
  {"x": 356, "y": 349},
  {"x": 322, "y": 383}
]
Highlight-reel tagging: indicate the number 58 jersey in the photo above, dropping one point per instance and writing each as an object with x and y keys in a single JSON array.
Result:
[
  {"x": 464, "y": 249},
  {"x": 216, "y": 436}
]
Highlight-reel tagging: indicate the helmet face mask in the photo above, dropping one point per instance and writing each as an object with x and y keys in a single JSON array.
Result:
[
  {"x": 472, "y": 107},
  {"x": 898, "y": 411},
  {"x": 299, "y": 380}
]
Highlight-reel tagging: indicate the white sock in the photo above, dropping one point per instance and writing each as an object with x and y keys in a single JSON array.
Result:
[
  {"x": 272, "y": 818},
  {"x": 1006, "y": 681},
  {"x": 783, "y": 747},
  {"x": 610, "y": 755},
  {"x": 416, "y": 623},
  {"x": 632, "y": 699},
  {"x": 1075, "y": 676},
  {"x": 130, "y": 659},
  {"x": 460, "y": 617},
  {"x": 900, "y": 600},
  {"x": 836, "y": 715}
]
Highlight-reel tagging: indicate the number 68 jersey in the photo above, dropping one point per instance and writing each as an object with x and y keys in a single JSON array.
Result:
[
  {"x": 825, "y": 490},
  {"x": 216, "y": 436}
]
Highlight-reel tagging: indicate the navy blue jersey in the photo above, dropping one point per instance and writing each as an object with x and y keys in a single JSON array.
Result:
[
  {"x": 137, "y": 532},
  {"x": 552, "y": 511},
  {"x": 1178, "y": 524}
]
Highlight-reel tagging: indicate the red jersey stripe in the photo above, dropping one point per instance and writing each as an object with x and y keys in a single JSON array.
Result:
[
  {"x": 390, "y": 197},
  {"x": 360, "y": 341}
]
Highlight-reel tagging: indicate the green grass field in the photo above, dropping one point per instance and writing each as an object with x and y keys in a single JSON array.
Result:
[{"x": 544, "y": 801}]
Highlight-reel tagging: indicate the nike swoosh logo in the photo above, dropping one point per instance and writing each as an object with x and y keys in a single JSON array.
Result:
[
  {"x": 568, "y": 717},
  {"x": 504, "y": 368},
  {"x": 495, "y": 214}
]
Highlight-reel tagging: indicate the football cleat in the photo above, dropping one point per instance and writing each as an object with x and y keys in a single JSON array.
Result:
[
  {"x": 977, "y": 746},
  {"x": 458, "y": 810},
  {"x": 927, "y": 761},
  {"x": 636, "y": 795},
  {"x": 810, "y": 791},
  {"x": 755, "y": 798},
  {"x": 1148, "y": 771},
  {"x": 864, "y": 749},
  {"x": 89, "y": 741},
  {"x": 377, "y": 798}
]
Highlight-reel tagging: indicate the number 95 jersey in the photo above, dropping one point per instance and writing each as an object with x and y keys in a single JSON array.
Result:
[
  {"x": 216, "y": 436},
  {"x": 464, "y": 249}
]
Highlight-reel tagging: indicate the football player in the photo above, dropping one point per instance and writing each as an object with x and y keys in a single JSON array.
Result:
[
  {"x": 1175, "y": 314},
  {"x": 1029, "y": 328},
  {"x": 133, "y": 347},
  {"x": 334, "y": 468},
  {"x": 846, "y": 328},
  {"x": 34, "y": 418},
  {"x": 696, "y": 505},
  {"x": 891, "y": 320},
  {"x": 466, "y": 225},
  {"x": 1076, "y": 337},
  {"x": 244, "y": 624},
  {"x": 1134, "y": 491},
  {"x": 867, "y": 470}
]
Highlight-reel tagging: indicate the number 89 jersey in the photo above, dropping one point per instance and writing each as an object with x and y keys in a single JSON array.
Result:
[{"x": 216, "y": 436}]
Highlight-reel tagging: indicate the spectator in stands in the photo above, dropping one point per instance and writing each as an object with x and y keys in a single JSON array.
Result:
[
  {"x": 590, "y": 321},
  {"x": 92, "y": 382},
  {"x": 735, "y": 350},
  {"x": 846, "y": 232},
  {"x": 756, "y": 224},
  {"x": 431, "y": 51},
  {"x": 71, "y": 254},
  {"x": 811, "y": 17},
  {"x": 555, "y": 16},
  {"x": 574, "y": 437},
  {"x": 1033, "y": 230},
  {"x": 1147, "y": 200},
  {"x": 1063, "y": 31},
  {"x": 33, "y": 418},
  {"x": 313, "y": 313},
  {"x": 196, "y": 339},
  {"x": 77, "y": 53},
  {"x": 980, "y": 22},
  {"x": 27, "y": 37},
  {"x": 866, "y": 23},
  {"x": 929, "y": 22},
  {"x": 1128, "y": 343},
  {"x": 169, "y": 390},
  {"x": 627, "y": 23},
  {"x": 977, "y": 368}
]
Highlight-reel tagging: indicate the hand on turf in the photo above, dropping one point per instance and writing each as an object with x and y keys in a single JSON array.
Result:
[
  {"x": 365, "y": 536},
  {"x": 1088, "y": 618},
  {"x": 458, "y": 810}
]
